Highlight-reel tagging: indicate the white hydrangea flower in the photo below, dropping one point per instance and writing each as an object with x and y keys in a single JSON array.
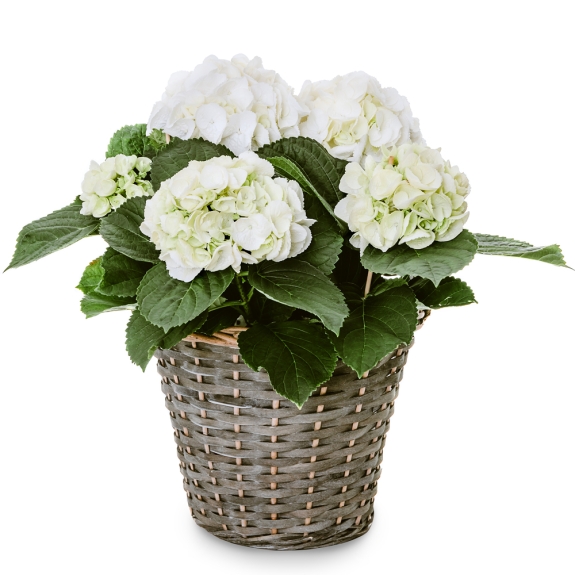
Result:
[
  {"x": 108, "y": 185},
  {"x": 411, "y": 196},
  {"x": 237, "y": 103},
  {"x": 224, "y": 212},
  {"x": 354, "y": 117}
]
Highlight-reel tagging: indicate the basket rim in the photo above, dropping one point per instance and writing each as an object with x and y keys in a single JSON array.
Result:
[{"x": 227, "y": 337}]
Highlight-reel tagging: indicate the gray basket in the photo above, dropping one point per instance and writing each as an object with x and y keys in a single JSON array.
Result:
[{"x": 258, "y": 471}]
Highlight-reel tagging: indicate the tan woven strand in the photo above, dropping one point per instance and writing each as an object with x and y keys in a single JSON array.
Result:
[
  {"x": 258, "y": 471},
  {"x": 367, "y": 290}
]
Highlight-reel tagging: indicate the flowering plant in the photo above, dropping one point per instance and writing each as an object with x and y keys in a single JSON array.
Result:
[{"x": 321, "y": 223}]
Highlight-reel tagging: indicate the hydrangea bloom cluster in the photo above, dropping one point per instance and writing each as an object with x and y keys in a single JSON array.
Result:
[
  {"x": 237, "y": 103},
  {"x": 224, "y": 212},
  {"x": 108, "y": 185},
  {"x": 354, "y": 117},
  {"x": 412, "y": 196}
]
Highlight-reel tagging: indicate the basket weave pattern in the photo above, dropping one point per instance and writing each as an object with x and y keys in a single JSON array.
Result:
[{"x": 258, "y": 471}]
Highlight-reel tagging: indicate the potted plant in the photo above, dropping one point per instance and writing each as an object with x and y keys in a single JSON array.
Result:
[{"x": 277, "y": 254}]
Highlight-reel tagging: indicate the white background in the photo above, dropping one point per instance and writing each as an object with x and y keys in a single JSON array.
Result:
[{"x": 478, "y": 471}]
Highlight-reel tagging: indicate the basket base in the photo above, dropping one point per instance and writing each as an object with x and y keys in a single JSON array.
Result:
[{"x": 293, "y": 542}]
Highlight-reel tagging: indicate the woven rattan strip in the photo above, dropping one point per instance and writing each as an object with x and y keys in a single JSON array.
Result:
[{"x": 258, "y": 471}]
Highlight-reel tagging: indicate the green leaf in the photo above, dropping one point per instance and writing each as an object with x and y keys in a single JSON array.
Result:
[
  {"x": 143, "y": 338},
  {"x": 297, "y": 355},
  {"x": 313, "y": 161},
  {"x": 167, "y": 302},
  {"x": 95, "y": 303},
  {"x": 498, "y": 246},
  {"x": 353, "y": 293},
  {"x": 286, "y": 168},
  {"x": 178, "y": 333},
  {"x": 131, "y": 141},
  {"x": 58, "y": 230},
  {"x": 179, "y": 153},
  {"x": 299, "y": 284},
  {"x": 379, "y": 284},
  {"x": 121, "y": 231},
  {"x": 218, "y": 319},
  {"x": 267, "y": 310},
  {"x": 439, "y": 260},
  {"x": 376, "y": 327},
  {"x": 91, "y": 277},
  {"x": 324, "y": 249},
  {"x": 157, "y": 140},
  {"x": 326, "y": 241},
  {"x": 121, "y": 275},
  {"x": 451, "y": 292}
]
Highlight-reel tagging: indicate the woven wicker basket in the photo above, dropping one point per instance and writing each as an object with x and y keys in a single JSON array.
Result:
[{"x": 259, "y": 472}]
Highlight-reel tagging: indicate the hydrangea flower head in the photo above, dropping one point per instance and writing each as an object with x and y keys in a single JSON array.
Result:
[
  {"x": 108, "y": 185},
  {"x": 224, "y": 212},
  {"x": 411, "y": 196},
  {"x": 237, "y": 103},
  {"x": 354, "y": 117}
]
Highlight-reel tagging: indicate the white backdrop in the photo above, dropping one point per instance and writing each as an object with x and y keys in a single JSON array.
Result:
[{"x": 478, "y": 471}]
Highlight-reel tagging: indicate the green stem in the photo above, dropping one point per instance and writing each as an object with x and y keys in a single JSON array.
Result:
[{"x": 244, "y": 297}]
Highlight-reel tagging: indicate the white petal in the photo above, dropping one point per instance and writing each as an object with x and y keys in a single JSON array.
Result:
[
  {"x": 350, "y": 152},
  {"x": 441, "y": 206},
  {"x": 251, "y": 232},
  {"x": 182, "y": 273},
  {"x": 105, "y": 188},
  {"x": 211, "y": 120},
  {"x": 300, "y": 239},
  {"x": 386, "y": 130},
  {"x": 183, "y": 182},
  {"x": 239, "y": 132},
  {"x": 252, "y": 161},
  {"x": 285, "y": 247},
  {"x": 420, "y": 239},
  {"x": 342, "y": 209},
  {"x": 224, "y": 256},
  {"x": 353, "y": 179},
  {"x": 247, "y": 259},
  {"x": 158, "y": 117},
  {"x": 108, "y": 168},
  {"x": 391, "y": 227},
  {"x": 172, "y": 223},
  {"x": 261, "y": 136},
  {"x": 101, "y": 207},
  {"x": 237, "y": 93},
  {"x": 344, "y": 109},
  {"x": 183, "y": 129},
  {"x": 214, "y": 177},
  {"x": 384, "y": 182},
  {"x": 316, "y": 125},
  {"x": 124, "y": 164},
  {"x": 424, "y": 177},
  {"x": 405, "y": 196},
  {"x": 361, "y": 210},
  {"x": 454, "y": 229},
  {"x": 449, "y": 184},
  {"x": 280, "y": 215}
]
